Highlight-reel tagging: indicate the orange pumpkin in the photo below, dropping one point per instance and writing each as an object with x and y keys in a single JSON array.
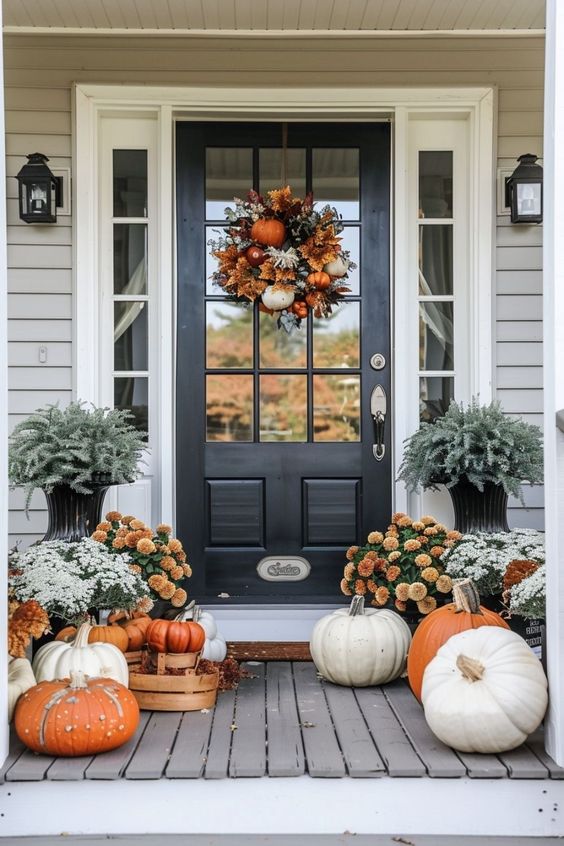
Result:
[
  {"x": 67, "y": 634},
  {"x": 109, "y": 634},
  {"x": 319, "y": 280},
  {"x": 269, "y": 232},
  {"x": 80, "y": 716},
  {"x": 175, "y": 636},
  {"x": 136, "y": 631},
  {"x": 462, "y": 614}
]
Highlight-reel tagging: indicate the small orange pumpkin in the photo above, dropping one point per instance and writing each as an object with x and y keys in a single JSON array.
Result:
[
  {"x": 319, "y": 280},
  {"x": 115, "y": 635},
  {"x": 82, "y": 716},
  {"x": 136, "y": 631},
  {"x": 462, "y": 614},
  {"x": 175, "y": 636},
  {"x": 269, "y": 232},
  {"x": 67, "y": 634}
]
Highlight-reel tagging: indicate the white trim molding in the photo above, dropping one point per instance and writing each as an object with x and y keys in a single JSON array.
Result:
[
  {"x": 473, "y": 105},
  {"x": 553, "y": 371}
]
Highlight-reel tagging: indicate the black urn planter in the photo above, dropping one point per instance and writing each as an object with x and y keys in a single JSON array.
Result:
[
  {"x": 72, "y": 515},
  {"x": 479, "y": 511}
]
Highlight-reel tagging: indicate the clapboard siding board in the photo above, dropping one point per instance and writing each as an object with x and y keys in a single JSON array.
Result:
[
  {"x": 40, "y": 73},
  {"x": 526, "y": 518},
  {"x": 519, "y": 377},
  {"x": 25, "y": 354},
  {"x": 53, "y": 378},
  {"x": 24, "y": 402},
  {"x": 34, "y": 523},
  {"x": 517, "y": 401}
]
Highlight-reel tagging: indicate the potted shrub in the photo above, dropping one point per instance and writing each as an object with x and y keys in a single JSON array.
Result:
[
  {"x": 74, "y": 455},
  {"x": 481, "y": 455}
]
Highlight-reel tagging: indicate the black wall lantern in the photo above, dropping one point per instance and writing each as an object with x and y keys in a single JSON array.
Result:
[
  {"x": 38, "y": 190},
  {"x": 524, "y": 190}
]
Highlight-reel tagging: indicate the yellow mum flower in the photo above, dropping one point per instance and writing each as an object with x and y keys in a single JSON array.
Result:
[
  {"x": 398, "y": 516},
  {"x": 176, "y": 573},
  {"x": 417, "y": 591},
  {"x": 156, "y": 582},
  {"x": 430, "y": 531},
  {"x": 454, "y": 535},
  {"x": 349, "y": 572},
  {"x": 444, "y": 584},
  {"x": 375, "y": 537},
  {"x": 440, "y": 528},
  {"x": 427, "y": 605},
  {"x": 137, "y": 524},
  {"x": 405, "y": 522},
  {"x": 428, "y": 520},
  {"x": 345, "y": 588},
  {"x": 187, "y": 570},
  {"x": 175, "y": 545},
  {"x": 430, "y": 574},
  {"x": 402, "y": 591},
  {"x": 418, "y": 526},
  {"x": 393, "y": 556},
  {"x": 100, "y": 536},
  {"x": 145, "y": 546},
  {"x": 178, "y": 598},
  {"x": 167, "y": 563},
  {"x": 127, "y": 519},
  {"x": 390, "y": 543},
  {"x": 411, "y": 545},
  {"x": 167, "y": 591},
  {"x": 423, "y": 560}
]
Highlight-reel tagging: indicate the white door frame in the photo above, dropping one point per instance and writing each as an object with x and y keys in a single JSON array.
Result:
[{"x": 166, "y": 104}]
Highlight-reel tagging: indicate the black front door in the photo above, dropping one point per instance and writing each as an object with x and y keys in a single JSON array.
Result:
[{"x": 277, "y": 471}]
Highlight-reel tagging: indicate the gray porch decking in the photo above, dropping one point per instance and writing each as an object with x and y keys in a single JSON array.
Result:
[{"x": 283, "y": 721}]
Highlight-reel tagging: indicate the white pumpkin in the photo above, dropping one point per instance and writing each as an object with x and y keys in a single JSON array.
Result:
[
  {"x": 215, "y": 647},
  {"x": 277, "y": 300},
  {"x": 55, "y": 660},
  {"x": 337, "y": 268},
  {"x": 359, "y": 647},
  {"x": 20, "y": 679},
  {"x": 484, "y": 691}
]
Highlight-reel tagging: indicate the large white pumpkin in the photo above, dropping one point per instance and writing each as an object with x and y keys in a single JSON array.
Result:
[
  {"x": 55, "y": 660},
  {"x": 20, "y": 679},
  {"x": 359, "y": 647},
  {"x": 484, "y": 691},
  {"x": 215, "y": 647}
]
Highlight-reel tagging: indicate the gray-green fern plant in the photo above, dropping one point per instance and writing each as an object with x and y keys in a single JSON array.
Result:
[
  {"x": 76, "y": 446},
  {"x": 476, "y": 444}
]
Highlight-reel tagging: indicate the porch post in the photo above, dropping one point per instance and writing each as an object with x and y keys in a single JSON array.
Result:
[
  {"x": 3, "y": 426},
  {"x": 554, "y": 370}
]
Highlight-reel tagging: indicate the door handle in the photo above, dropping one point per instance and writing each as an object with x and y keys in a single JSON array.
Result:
[{"x": 378, "y": 407}]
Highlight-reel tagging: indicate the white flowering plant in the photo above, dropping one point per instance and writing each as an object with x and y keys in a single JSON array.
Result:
[
  {"x": 484, "y": 557},
  {"x": 68, "y": 579},
  {"x": 528, "y": 597}
]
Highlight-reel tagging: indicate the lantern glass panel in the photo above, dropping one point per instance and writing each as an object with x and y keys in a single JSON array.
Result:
[{"x": 528, "y": 198}]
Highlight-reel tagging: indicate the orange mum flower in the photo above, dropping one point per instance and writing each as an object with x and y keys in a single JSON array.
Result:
[
  {"x": 176, "y": 573},
  {"x": 398, "y": 516},
  {"x": 118, "y": 543},
  {"x": 146, "y": 546},
  {"x": 351, "y": 552},
  {"x": 392, "y": 573},
  {"x": 417, "y": 591},
  {"x": 427, "y": 605},
  {"x": 390, "y": 543},
  {"x": 359, "y": 587},
  {"x": 178, "y": 598},
  {"x": 375, "y": 537},
  {"x": 187, "y": 570},
  {"x": 156, "y": 582},
  {"x": 430, "y": 531},
  {"x": 175, "y": 545},
  {"x": 444, "y": 584},
  {"x": 428, "y": 520},
  {"x": 104, "y": 526},
  {"x": 345, "y": 588},
  {"x": 164, "y": 529},
  {"x": 418, "y": 526},
  {"x": 405, "y": 522},
  {"x": 430, "y": 574},
  {"x": 114, "y": 516},
  {"x": 412, "y": 545},
  {"x": 167, "y": 563},
  {"x": 127, "y": 519},
  {"x": 349, "y": 572},
  {"x": 402, "y": 591},
  {"x": 393, "y": 556},
  {"x": 437, "y": 551},
  {"x": 371, "y": 585},
  {"x": 365, "y": 567},
  {"x": 423, "y": 560},
  {"x": 401, "y": 606},
  {"x": 100, "y": 536},
  {"x": 167, "y": 591},
  {"x": 382, "y": 595}
]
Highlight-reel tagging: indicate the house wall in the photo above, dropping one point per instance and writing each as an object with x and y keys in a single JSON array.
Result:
[{"x": 39, "y": 74}]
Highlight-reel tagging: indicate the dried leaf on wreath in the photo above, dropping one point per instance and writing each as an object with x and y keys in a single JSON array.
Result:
[
  {"x": 281, "y": 199},
  {"x": 321, "y": 247}
]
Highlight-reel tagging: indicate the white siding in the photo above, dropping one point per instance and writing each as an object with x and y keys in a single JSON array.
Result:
[{"x": 39, "y": 74}]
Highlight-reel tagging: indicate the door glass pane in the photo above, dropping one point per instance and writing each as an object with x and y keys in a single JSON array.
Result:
[
  {"x": 130, "y": 258},
  {"x": 132, "y": 393},
  {"x": 336, "y": 340},
  {"x": 283, "y": 408},
  {"x": 130, "y": 336},
  {"x": 278, "y": 349},
  {"x": 435, "y": 395},
  {"x": 271, "y": 173},
  {"x": 213, "y": 233},
  {"x": 229, "y": 407},
  {"x": 229, "y": 173},
  {"x": 229, "y": 335},
  {"x": 336, "y": 407},
  {"x": 435, "y": 259},
  {"x": 335, "y": 180},
  {"x": 435, "y": 183},
  {"x": 435, "y": 336},
  {"x": 350, "y": 240},
  {"x": 130, "y": 183}
]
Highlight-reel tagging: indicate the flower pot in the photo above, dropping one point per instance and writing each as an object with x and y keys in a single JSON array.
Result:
[
  {"x": 72, "y": 515},
  {"x": 479, "y": 511}
]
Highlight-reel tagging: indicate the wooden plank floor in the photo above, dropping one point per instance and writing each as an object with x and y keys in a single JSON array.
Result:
[{"x": 283, "y": 721}]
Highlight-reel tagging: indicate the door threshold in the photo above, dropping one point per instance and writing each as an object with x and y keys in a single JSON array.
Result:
[
  {"x": 267, "y": 623},
  {"x": 264, "y": 650}
]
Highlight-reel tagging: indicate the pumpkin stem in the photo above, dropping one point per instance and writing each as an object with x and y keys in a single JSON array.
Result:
[
  {"x": 356, "y": 608},
  {"x": 471, "y": 669},
  {"x": 81, "y": 638},
  {"x": 466, "y": 597},
  {"x": 77, "y": 680}
]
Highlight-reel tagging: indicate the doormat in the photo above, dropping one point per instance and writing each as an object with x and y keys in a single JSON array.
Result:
[{"x": 264, "y": 650}]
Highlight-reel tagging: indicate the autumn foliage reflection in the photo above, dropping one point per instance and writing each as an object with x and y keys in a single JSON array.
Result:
[{"x": 282, "y": 396}]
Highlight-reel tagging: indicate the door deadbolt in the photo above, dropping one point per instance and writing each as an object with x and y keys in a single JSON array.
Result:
[{"x": 377, "y": 361}]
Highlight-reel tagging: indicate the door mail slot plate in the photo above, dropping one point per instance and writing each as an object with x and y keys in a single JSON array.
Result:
[{"x": 283, "y": 568}]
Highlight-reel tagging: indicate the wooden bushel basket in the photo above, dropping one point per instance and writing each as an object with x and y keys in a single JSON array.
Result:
[{"x": 187, "y": 692}]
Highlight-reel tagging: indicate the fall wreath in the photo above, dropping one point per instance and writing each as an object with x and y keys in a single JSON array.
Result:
[{"x": 282, "y": 250}]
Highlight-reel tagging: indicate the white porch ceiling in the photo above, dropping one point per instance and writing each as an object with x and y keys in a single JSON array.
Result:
[{"x": 304, "y": 17}]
